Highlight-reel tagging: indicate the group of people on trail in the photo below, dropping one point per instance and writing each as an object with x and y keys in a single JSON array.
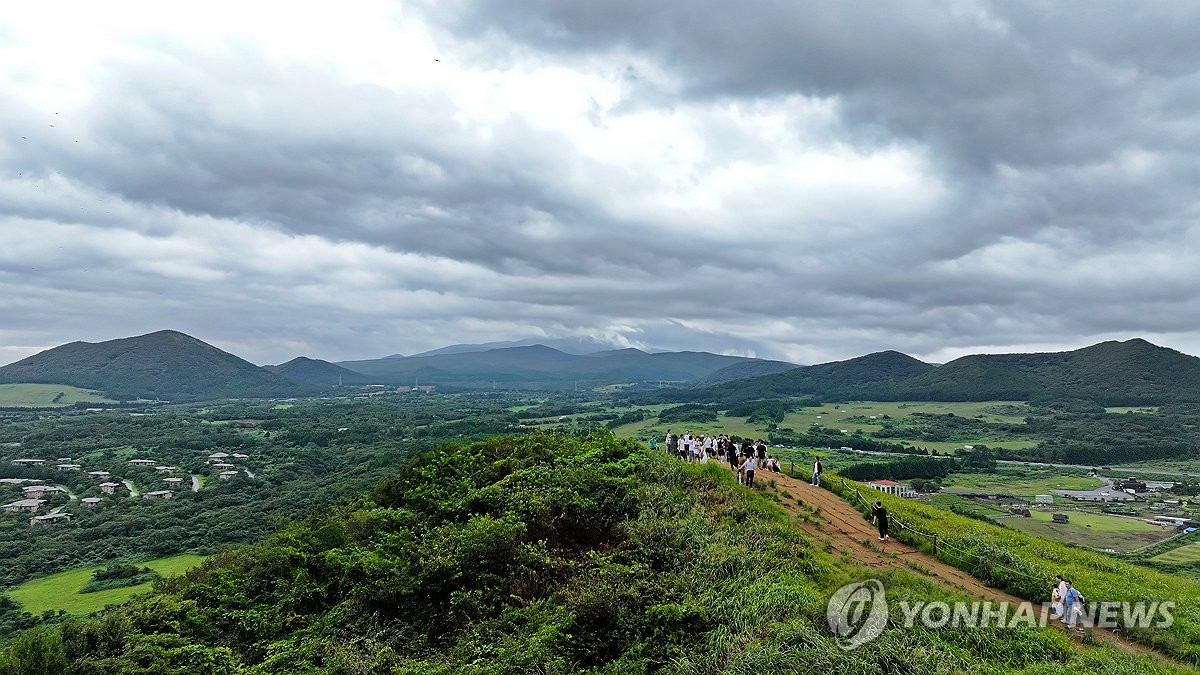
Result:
[
  {"x": 745, "y": 459},
  {"x": 1066, "y": 602}
]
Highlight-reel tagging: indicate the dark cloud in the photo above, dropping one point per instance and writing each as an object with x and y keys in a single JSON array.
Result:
[{"x": 800, "y": 181}]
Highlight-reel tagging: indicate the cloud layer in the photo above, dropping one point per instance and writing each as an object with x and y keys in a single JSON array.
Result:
[{"x": 760, "y": 178}]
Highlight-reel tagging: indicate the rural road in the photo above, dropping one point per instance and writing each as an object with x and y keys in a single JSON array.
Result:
[
  {"x": 132, "y": 491},
  {"x": 195, "y": 482},
  {"x": 249, "y": 472}
]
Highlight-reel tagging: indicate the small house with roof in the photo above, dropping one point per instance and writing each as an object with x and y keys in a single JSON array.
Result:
[
  {"x": 143, "y": 462},
  {"x": 39, "y": 491},
  {"x": 50, "y": 519},
  {"x": 99, "y": 474},
  {"x": 238, "y": 455},
  {"x": 69, "y": 467},
  {"x": 164, "y": 469},
  {"x": 24, "y": 505},
  {"x": 893, "y": 488},
  {"x": 173, "y": 482},
  {"x": 226, "y": 475},
  {"x": 90, "y": 502},
  {"x": 159, "y": 494},
  {"x": 28, "y": 462},
  {"x": 109, "y": 488},
  {"x": 222, "y": 465}
]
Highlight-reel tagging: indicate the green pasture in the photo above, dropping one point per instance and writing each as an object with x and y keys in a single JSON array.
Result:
[
  {"x": 1094, "y": 530},
  {"x": 1021, "y": 482},
  {"x": 1184, "y": 554},
  {"x": 46, "y": 396},
  {"x": 61, "y": 591}
]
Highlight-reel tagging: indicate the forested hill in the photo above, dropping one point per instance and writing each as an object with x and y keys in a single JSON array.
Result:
[
  {"x": 166, "y": 365},
  {"x": 539, "y": 366},
  {"x": 318, "y": 372},
  {"x": 1133, "y": 372},
  {"x": 539, "y": 554}
]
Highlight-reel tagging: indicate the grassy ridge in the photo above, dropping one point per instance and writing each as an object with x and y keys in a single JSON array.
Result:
[
  {"x": 547, "y": 554},
  {"x": 1024, "y": 565}
]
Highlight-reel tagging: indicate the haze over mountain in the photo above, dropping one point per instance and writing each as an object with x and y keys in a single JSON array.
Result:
[
  {"x": 579, "y": 345},
  {"x": 165, "y": 364}
]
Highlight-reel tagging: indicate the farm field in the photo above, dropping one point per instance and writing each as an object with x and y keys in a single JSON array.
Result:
[
  {"x": 1184, "y": 554},
  {"x": 1093, "y": 530},
  {"x": 46, "y": 396},
  {"x": 61, "y": 591},
  {"x": 1021, "y": 482}
]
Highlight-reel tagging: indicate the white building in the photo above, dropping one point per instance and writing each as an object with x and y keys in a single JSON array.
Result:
[{"x": 893, "y": 488}]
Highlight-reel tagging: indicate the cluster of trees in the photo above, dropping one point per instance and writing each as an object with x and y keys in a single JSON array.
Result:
[
  {"x": 902, "y": 469},
  {"x": 118, "y": 575},
  {"x": 689, "y": 412}
]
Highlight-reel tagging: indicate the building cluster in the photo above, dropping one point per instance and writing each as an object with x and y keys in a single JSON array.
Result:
[{"x": 32, "y": 495}]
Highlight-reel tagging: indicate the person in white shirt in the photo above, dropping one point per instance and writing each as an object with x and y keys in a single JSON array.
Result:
[{"x": 748, "y": 465}]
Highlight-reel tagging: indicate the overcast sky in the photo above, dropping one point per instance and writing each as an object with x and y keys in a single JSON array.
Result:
[{"x": 807, "y": 181}]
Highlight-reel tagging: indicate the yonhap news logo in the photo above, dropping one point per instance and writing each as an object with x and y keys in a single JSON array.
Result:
[{"x": 857, "y": 613}]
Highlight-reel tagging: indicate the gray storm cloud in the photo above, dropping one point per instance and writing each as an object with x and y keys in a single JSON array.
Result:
[{"x": 796, "y": 181}]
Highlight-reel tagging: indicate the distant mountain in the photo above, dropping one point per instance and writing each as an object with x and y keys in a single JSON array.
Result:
[
  {"x": 166, "y": 365},
  {"x": 542, "y": 367},
  {"x": 1133, "y": 372},
  {"x": 572, "y": 345},
  {"x": 744, "y": 370},
  {"x": 318, "y": 372}
]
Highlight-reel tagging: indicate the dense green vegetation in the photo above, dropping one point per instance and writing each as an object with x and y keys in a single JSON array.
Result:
[
  {"x": 118, "y": 575},
  {"x": 533, "y": 554}
]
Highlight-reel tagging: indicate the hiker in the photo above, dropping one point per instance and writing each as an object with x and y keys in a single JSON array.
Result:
[
  {"x": 654, "y": 444},
  {"x": 669, "y": 448},
  {"x": 749, "y": 465},
  {"x": 1073, "y": 608},
  {"x": 761, "y": 449},
  {"x": 732, "y": 458},
  {"x": 817, "y": 472},
  {"x": 879, "y": 516},
  {"x": 1056, "y": 596},
  {"x": 747, "y": 448}
]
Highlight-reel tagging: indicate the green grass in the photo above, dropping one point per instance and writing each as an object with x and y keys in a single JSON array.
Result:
[
  {"x": 1021, "y": 482},
  {"x": 61, "y": 591},
  {"x": 46, "y": 396},
  {"x": 1094, "y": 530},
  {"x": 1149, "y": 409},
  {"x": 1183, "y": 554}
]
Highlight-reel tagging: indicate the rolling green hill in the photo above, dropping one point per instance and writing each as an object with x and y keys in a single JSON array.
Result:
[
  {"x": 165, "y": 365},
  {"x": 541, "y": 554},
  {"x": 1133, "y": 372},
  {"x": 318, "y": 372}
]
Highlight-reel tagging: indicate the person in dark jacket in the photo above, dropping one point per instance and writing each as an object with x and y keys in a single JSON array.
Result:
[{"x": 879, "y": 516}]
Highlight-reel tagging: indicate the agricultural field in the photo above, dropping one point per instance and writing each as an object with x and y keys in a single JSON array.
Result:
[
  {"x": 1184, "y": 554},
  {"x": 1093, "y": 530},
  {"x": 61, "y": 591},
  {"x": 1023, "y": 482},
  {"x": 46, "y": 396}
]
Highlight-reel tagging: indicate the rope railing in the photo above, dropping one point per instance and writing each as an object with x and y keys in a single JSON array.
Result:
[{"x": 937, "y": 544}]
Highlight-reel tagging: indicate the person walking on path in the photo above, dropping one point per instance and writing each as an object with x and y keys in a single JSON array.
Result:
[
  {"x": 1060, "y": 590},
  {"x": 1073, "y": 608},
  {"x": 817, "y": 472},
  {"x": 748, "y": 466},
  {"x": 879, "y": 516}
]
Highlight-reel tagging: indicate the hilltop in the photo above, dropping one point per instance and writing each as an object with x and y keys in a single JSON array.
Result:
[
  {"x": 318, "y": 372},
  {"x": 540, "y": 554},
  {"x": 166, "y": 365}
]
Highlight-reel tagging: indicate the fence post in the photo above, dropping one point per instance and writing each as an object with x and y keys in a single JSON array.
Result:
[{"x": 935, "y": 543}]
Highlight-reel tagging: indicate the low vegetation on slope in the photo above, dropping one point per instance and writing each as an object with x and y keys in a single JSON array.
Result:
[
  {"x": 1022, "y": 564},
  {"x": 549, "y": 554}
]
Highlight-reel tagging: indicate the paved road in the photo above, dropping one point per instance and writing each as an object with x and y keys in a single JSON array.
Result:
[
  {"x": 132, "y": 492},
  {"x": 248, "y": 472},
  {"x": 195, "y": 482}
]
